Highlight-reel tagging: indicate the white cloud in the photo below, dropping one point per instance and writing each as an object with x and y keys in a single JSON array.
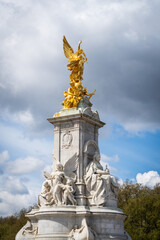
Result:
[
  {"x": 17, "y": 193},
  {"x": 36, "y": 146},
  {"x": 4, "y": 156},
  {"x": 132, "y": 35},
  {"x": 13, "y": 185},
  {"x": 135, "y": 126},
  {"x": 149, "y": 179},
  {"x": 24, "y": 165},
  {"x": 105, "y": 160},
  {"x": 48, "y": 168},
  {"x": 23, "y": 117},
  {"x": 12, "y": 203}
]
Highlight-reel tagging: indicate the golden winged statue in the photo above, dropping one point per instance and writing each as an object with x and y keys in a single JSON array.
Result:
[
  {"x": 76, "y": 60},
  {"x": 76, "y": 65}
]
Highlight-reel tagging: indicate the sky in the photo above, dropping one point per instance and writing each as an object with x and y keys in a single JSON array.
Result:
[{"x": 121, "y": 41}]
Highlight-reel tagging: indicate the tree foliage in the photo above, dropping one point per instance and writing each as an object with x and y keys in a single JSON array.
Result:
[
  {"x": 9, "y": 226},
  {"x": 142, "y": 207},
  {"x": 140, "y": 204}
]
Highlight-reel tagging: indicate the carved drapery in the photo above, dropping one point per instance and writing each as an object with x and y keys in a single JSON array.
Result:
[{"x": 90, "y": 148}]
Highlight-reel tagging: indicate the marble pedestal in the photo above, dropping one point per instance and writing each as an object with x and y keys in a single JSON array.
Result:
[
  {"x": 95, "y": 215},
  {"x": 57, "y": 222}
]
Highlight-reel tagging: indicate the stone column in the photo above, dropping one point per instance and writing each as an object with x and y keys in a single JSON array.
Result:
[{"x": 71, "y": 134}]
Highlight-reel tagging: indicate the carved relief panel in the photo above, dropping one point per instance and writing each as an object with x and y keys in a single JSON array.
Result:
[{"x": 67, "y": 139}]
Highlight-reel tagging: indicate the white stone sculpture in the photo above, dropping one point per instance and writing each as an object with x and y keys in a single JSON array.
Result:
[
  {"x": 99, "y": 183},
  {"x": 68, "y": 193},
  {"x": 113, "y": 188},
  {"x": 29, "y": 229},
  {"x": 59, "y": 187},
  {"x": 82, "y": 233},
  {"x": 46, "y": 196}
]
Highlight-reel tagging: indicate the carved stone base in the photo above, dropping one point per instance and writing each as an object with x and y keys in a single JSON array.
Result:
[
  {"x": 78, "y": 178},
  {"x": 58, "y": 222}
]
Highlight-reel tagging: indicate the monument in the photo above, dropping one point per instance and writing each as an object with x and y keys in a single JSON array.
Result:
[{"x": 78, "y": 200}]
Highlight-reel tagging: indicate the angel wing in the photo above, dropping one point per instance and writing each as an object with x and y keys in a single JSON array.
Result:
[
  {"x": 71, "y": 166},
  {"x": 54, "y": 163},
  {"x": 47, "y": 175},
  {"x": 68, "y": 50}
]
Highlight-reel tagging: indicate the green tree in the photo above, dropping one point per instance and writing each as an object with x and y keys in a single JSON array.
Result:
[
  {"x": 142, "y": 207},
  {"x": 9, "y": 226}
]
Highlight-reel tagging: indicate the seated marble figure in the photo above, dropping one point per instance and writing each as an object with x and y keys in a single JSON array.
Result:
[{"x": 100, "y": 185}]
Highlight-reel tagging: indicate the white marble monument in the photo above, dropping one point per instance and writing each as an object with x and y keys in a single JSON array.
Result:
[{"x": 78, "y": 200}]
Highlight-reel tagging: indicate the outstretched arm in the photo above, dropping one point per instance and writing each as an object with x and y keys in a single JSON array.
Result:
[
  {"x": 91, "y": 94},
  {"x": 85, "y": 60}
]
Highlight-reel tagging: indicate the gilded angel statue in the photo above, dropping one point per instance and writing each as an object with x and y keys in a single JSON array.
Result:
[
  {"x": 62, "y": 181},
  {"x": 76, "y": 60},
  {"x": 76, "y": 65}
]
